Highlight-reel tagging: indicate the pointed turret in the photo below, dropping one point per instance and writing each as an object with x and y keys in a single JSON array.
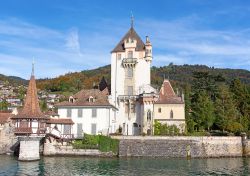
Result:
[
  {"x": 30, "y": 119},
  {"x": 31, "y": 107}
]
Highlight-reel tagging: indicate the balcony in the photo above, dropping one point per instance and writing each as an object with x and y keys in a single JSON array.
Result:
[
  {"x": 126, "y": 62},
  {"x": 127, "y": 97}
]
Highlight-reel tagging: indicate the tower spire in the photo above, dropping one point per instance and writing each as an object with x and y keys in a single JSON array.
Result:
[
  {"x": 33, "y": 65},
  {"x": 132, "y": 19}
]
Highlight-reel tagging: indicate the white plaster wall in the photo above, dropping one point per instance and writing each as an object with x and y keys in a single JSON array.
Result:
[
  {"x": 117, "y": 76},
  {"x": 105, "y": 119},
  {"x": 142, "y": 73}
]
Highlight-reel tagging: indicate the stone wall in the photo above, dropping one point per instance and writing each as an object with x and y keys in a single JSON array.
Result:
[
  {"x": 180, "y": 146},
  {"x": 29, "y": 148},
  {"x": 52, "y": 148},
  {"x": 7, "y": 138}
]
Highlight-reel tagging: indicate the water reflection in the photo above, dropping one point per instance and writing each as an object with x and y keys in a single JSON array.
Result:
[{"x": 132, "y": 166}]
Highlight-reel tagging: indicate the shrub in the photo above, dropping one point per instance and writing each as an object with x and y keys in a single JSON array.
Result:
[
  {"x": 78, "y": 144},
  {"x": 91, "y": 139},
  {"x": 103, "y": 143},
  {"x": 235, "y": 127},
  {"x": 88, "y": 142},
  {"x": 107, "y": 144},
  {"x": 164, "y": 129}
]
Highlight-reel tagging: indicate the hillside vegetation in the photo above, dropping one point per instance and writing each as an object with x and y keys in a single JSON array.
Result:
[
  {"x": 180, "y": 76},
  {"x": 13, "y": 80}
]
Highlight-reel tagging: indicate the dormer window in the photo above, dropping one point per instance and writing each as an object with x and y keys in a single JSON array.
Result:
[
  {"x": 71, "y": 99},
  {"x": 91, "y": 99}
]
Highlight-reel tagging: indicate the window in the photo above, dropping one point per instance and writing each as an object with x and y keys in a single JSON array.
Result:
[
  {"x": 130, "y": 72},
  {"x": 66, "y": 129},
  {"x": 132, "y": 108},
  {"x": 171, "y": 114},
  {"x": 93, "y": 128},
  {"x": 94, "y": 112},
  {"x": 130, "y": 54},
  {"x": 79, "y": 130},
  {"x": 71, "y": 100},
  {"x": 130, "y": 90},
  {"x": 119, "y": 56},
  {"x": 159, "y": 110},
  {"x": 68, "y": 112},
  {"x": 146, "y": 52},
  {"x": 91, "y": 99},
  {"x": 79, "y": 113},
  {"x": 149, "y": 115}
]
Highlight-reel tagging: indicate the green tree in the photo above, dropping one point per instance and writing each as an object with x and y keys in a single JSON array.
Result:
[
  {"x": 43, "y": 105},
  {"x": 225, "y": 110},
  {"x": 189, "y": 120},
  {"x": 241, "y": 96},
  {"x": 203, "y": 111},
  {"x": 21, "y": 93},
  {"x": 4, "y": 105}
]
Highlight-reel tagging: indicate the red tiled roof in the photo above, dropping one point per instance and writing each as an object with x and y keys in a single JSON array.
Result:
[
  {"x": 130, "y": 34},
  {"x": 4, "y": 117},
  {"x": 31, "y": 107},
  {"x": 82, "y": 98},
  {"x": 60, "y": 121},
  {"x": 167, "y": 95},
  {"x": 51, "y": 113}
]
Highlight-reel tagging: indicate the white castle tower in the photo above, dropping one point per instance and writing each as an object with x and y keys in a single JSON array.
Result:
[{"x": 130, "y": 72}]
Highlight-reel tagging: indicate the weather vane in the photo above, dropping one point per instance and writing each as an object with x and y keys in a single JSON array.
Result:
[
  {"x": 33, "y": 64},
  {"x": 132, "y": 19}
]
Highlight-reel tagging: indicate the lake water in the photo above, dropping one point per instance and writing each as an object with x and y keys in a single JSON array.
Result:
[{"x": 115, "y": 166}]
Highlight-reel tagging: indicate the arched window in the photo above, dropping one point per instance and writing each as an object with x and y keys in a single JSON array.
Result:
[
  {"x": 149, "y": 115},
  {"x": 171, "y": 114}
]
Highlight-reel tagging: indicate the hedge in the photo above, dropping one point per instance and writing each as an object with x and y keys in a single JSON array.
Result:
[
  {"x": 107, "y": 144},
  {"x": 103, "y": 143}
]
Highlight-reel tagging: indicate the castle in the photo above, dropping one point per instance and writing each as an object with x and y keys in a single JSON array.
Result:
[{"x": 138, "y": 103}]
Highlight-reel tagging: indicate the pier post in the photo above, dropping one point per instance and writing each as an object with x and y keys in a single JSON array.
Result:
[
  {"x": 29, "y": 148},
  {"x": 244, "y": 143}
]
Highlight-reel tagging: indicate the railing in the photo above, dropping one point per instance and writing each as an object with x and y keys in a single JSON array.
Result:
[
  {"x": 129, "y": 61},
  {"x": 58, "y": 133},
  {"x": 127, "y": 97}
]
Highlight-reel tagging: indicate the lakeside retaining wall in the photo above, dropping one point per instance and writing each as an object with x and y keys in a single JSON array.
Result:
[
  {"x": 187, "y": 146},
  {"x": 52, "y": 148}
]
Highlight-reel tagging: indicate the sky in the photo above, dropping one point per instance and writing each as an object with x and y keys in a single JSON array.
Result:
[{"x": 64, "y": 36}]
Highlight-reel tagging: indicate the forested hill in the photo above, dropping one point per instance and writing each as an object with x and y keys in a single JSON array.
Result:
[
  {"x": 13, "y": 80},
  {"x": 180, "y": 75}
]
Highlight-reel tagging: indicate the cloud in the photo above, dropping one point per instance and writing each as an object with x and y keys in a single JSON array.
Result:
[
  {"x": 181, "y": 41},
  {"x": 73, "y": 43}
]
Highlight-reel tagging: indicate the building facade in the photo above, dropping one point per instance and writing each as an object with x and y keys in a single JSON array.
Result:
[
  {"x": 131, "y": 92},
  {"x": 130, "y": 81},
  {"x": 170, "y": 108},
  {"x": 90, "y": 111}
]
